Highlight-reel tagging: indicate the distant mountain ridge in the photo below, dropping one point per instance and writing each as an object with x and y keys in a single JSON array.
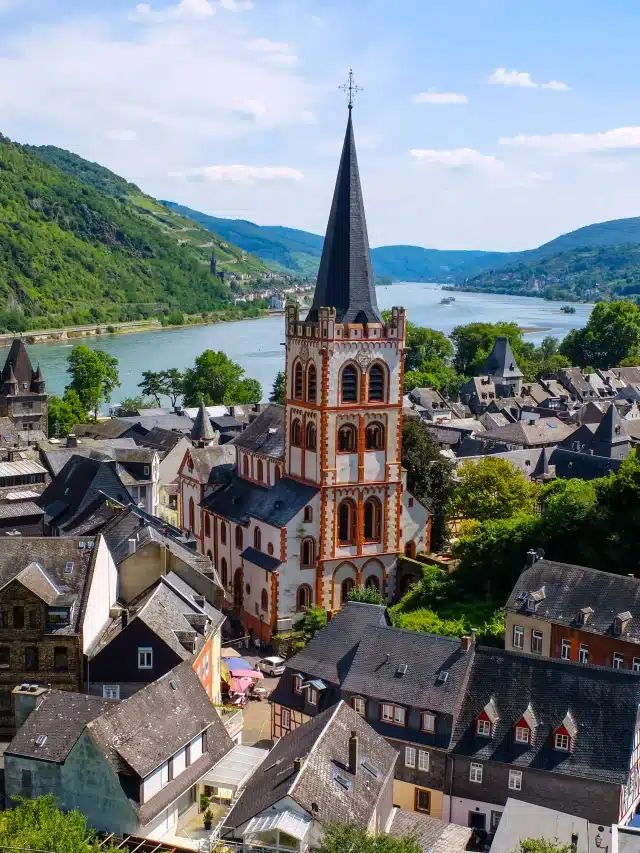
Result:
[{"x": 592, "y": 261}]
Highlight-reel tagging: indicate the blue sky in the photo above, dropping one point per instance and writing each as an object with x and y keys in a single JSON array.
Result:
[{"x": 493, "y": 124}]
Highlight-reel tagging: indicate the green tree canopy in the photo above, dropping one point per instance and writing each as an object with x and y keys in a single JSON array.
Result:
[
  {"x": 491, "y": 488},
  {"x": 63, "y": 413},
  {"x": 40, "y": 825},
  {"x": 216, "y": 379},
  {"x": 542, "y": 845},
  {"x": 474, "y": 341},
  {"x": 94, "y": 375},
  {"x": 429, "y": 475},
  {"x": 278, "y": 391},
  {"x": 612, "y": 334},
  {"x": 426, "y": 345},
  {"x": 343, "y": 838},
  {"x": 366, "y": 594},
  {"x": 162, "y": 383}
]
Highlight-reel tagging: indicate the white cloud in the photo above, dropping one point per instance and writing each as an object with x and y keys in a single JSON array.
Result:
[
  {"x": 184, "y": 10},
  {"x": 236, "y": 5},
  {"x": 240, "y": 174},
  {"x": 433, "y": 97},
  {"x": 617, "y": 139},
  {"x": 275, "y": 52},
  {"x": 523, "y": 80},
  {"x": 457, "y": 159},
  {"x": 123, "y": 135},
  {"x": 317, "y": 21}
]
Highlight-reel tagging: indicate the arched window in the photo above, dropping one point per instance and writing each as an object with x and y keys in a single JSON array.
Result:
[
  {"x": 264, "y": 600},
  {"x": 376, "y": 383},
  {"x": 237, "y": 589},
  {"x": 298, "y": 381},
  {"x": 349, "y": 384},
  {"x": 192, "y": 514},
  {"x": 372, "y": 519},
  {"x": 223, "y": 533},
  {"x": 270, "y": 549},
  {"x": 307, "y": 553},
  {"x": 345, "y": 588},
  {"x": 296, "y": 433},
  {"x": 311, "y": 437},
  {"x": 303, "y": 597},
  {"x": 374, "y": 437},
  {"x": 410, "y": 550},
  {"x": 238, "y": 536},
  {"x": 260, "y": 471},
  {"x": 347, "y": 439},
  {"x": 347, "y": 522},
  {"x": 373, "y": 582},
  {"x": 224, "y": 572},
  {"x": 312, "y": 383},
  {"x": 245, "y": 466},
  {"x": 207, "y": 524},
  {"x": 210, "y": 556},
  {"x": 257, "y": 539},
  {"x": 276, "y": 473}
]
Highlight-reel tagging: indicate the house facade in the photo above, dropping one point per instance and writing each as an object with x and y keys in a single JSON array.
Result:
[
  {"x": 318, "y": 502},
  {"x": 23, "y": 395}
]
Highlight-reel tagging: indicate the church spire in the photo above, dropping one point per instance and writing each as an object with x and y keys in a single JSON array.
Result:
[{"x": 345, "y": 278}]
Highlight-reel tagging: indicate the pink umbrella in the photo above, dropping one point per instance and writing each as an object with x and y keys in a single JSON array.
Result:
[
  {"x": 239, "y": 672},
  {"x": 240, "y": 685}
]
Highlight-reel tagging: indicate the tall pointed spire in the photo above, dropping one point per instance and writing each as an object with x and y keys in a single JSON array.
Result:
[{"x": 345, "y": 278}]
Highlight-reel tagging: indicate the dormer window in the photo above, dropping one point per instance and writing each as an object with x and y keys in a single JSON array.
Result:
[
  {"x": 584, "y": 615},
  {"x": 562, "y": 742},
  {"x": 534, "y": 598},
  {"x": 483, "y": 728},
  {"x": 522, "y": 734},
  {"x": 487, "y": 719},
  {"x": 621, "y": 623},
  {"x": 523, "y": 729},
  {"x": 565, "y": 733},
  {"x": 297, "y": 684}
]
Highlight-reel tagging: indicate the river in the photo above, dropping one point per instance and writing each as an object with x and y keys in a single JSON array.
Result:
[{"x": 257, "y": 344}]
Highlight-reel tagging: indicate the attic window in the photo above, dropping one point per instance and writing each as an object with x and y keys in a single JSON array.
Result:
[
  {"x": 68, "y": 567},
  {"x": 443, "y": 675},
  {"x": 584, "y": 615},
  {"x": 368, "y": 766},
  {"x": 483, "y": 728},
  {"x": 345, "y": 784},
  {"x": 41, "y": 740},
  {"x": 401, "y": 670},
  {"x": 621, "y": 623},
  {"x": 562, "y": 742}
]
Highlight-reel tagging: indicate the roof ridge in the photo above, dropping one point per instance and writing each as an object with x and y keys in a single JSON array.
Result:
[
  {"x": 561, "y": 663},
  {"x": 577, "y": 565},
  {"x": 315, "y": 743}
]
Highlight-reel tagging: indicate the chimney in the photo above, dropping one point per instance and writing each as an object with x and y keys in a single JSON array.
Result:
[
  {"x": 25, "y": 698},
  {"x": 297, "y": 765},
  {"x": 353, "y": 753},
  {"x": 531, "y": 557},
  {"x": 124, "y": 618},
  {"x": 473, "y": 636},
  {"x": 72, "y": 441},
  {"x": 465, "y": 643},
  {"x": 132, "y": 545}
]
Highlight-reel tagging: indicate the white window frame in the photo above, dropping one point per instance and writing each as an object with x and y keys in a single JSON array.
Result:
[
  {"x": 515, "y": 780},
  {"x": 583, "y": 653},
  {"x": 518, "y": 637},
  {"x": 483, "y": 728},
  {"x": 297, "y": 684},
  {"x": 636, "y": 665},
  {"x": 285, "y": 718},
  {"x": 565, "y": 650},
  {"x": 537, "y": 636},
  {"x": 618, "y": 660},
  {"x": 424, "y": 760},
  {"x": 359, "y": 706},
  {"x": 394, "y": 714},
  {"x": 476, "y": 772},
  {"x": 312, "y": 695},
  {"x": 145, "y": 653},
  {"x": 431, "y": 717},
  {"x": 561, "y": 742},
  {"x": 523, "y": 735},
  {"x": 409, "y": 756},
  {"x": 110, "y": 691}
]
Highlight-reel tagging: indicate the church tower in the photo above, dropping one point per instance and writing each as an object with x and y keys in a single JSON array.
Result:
[{"x": 343, "y": 409}]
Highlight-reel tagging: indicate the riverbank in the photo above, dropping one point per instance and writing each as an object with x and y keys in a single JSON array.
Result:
[{"x": 561, "y": 297}]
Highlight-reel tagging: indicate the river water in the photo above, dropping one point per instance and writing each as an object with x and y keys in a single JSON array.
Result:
[{"x": 257, "y": 344}]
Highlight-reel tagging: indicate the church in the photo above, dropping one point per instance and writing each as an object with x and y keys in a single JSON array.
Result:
[{"x": 317, "y": 502}]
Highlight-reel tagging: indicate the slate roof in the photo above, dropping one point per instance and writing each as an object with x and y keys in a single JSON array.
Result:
[
  {"x": 111, "y": 428},
  {"x": 60, "y": 715},
  {"x": 162, "y": 440},
  {"x": 202, "y": 429},
  {"x": 568, "y": 588},
  {"x": 164, "y": 419},
  {"x": 434, "y": 836},
  {"x": 18, "y": 366},
  {"x": 323, "y": 744},
  {"x": 381, "y": 653},
  {"x": 265, "y": 434},
  {"x": 227, "y": 422},
  {"x": 585, "y": 466},
  {"x": 329, "y": 654},
  {"x": 543, "y": 431},
  {"x": 345, "y": 278},
  {"x": 215, "y": 464},
  {"x": 242, "y": 500},
  {"x": 611, "y": 430},
  {"x": 501, "y": 361},
  {"x": 21, "y": 509},
  {"x": 603, "y": 703},
  {"x": 259, "y": 558},
  {"x": 148, "y": 727}
]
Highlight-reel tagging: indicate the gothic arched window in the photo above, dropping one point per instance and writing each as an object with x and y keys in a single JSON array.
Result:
[
  {"x": 377, "y": 376},
  {"x": 298, "y": 381},
  {"x": 374, "y": 437},
  {"x": 372, "y": 519},
  {"x": 224, "y": 571},
  {"x": 260, "y": 470},
  {"x": 345, "y": 588},
  {"x": 303, "y": 597},
  {"x": 349, "y": 384},
  {"x": 296, "y": 433},
  {"x": 257, "y": 539},
  {"x": 347, "y": 439},
  {"x": 312, "y": 383},
  {"x": 307, "y": 553},
  {"x": 347, "y": 524},
  {"x": 311, "y": 437}
]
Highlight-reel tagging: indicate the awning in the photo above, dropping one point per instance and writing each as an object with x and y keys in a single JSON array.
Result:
[
  {"x": 240, "y": 685},
  {"x": 240, "y": 672},
  {"x": 236, "y": 767},
  {"x": 293, "y": 824}
]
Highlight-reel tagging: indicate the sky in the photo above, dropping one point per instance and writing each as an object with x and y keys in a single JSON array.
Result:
[{"x": 481, "y": 124}]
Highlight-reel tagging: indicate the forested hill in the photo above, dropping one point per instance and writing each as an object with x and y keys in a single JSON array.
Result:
[{"x": 80, "y": 245}]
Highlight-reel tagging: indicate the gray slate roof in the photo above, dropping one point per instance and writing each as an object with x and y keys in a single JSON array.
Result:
[
  {"x": 202, "y": 429},
  {"x": 602, "y": 702},
  {"x": 572, "y": 463},
  {"x": 434, "y": 836},
  {"x": 259, "y": 558},
  {"x": 61, "y": 716},
  {"x": 543, "y": 431},
  {"x": 323, "y": 744},
  {"x": 345, "y": 279},
  {"x": 501, "y": 361},
  {"x": 569, "y": 588},
  {"x": 242, "y": 500},
  {"x": 265, "y": 434},
  {"x": 214, "y": 464}
]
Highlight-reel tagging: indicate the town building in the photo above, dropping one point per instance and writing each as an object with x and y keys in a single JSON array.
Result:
[
  {"x": 575, "y": 613},
  {"x": 23, "y": 395},
  {"x": 132, "y": 767},
  {"x": 318, "y": 501}
]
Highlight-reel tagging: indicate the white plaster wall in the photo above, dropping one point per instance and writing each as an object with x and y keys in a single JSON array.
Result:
[
  {"x": 291, "y": 575},
  {"x": 385, "y": 351},
  {"x": 102, "y": 594},
  {"x": 190, "y": 490},
  {"x": 414, "y": 521},
  {"x": 347, "y": 467},
  {"x": 374, "y": 465},
  {"x": 257, "y": 579},
  {"x": 461, "y": 807}
]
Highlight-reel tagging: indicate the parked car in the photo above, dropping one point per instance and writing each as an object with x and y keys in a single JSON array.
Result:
[{"x": 272, "y": 666}]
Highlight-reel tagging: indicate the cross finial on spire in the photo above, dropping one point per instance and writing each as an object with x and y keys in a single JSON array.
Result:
[{"x": 350, "y": 88}]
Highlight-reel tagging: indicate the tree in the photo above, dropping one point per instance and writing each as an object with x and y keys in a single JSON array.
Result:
[
  {"x": 40, "y": 825},
  {"x": 542, "y": 845},
  {"x": 172, "y": 381},
  {"x": 473, "y": 343},
  {"x": 94, "y": 375},
  {"x": 612, "y": 334},
  {"x": 279, "y": 388},
  {"x": 314, "y": 619},
  {"x": 151, "y": 384},
  {"x": 63, "y": 413},
  {"x": 216, "y": 379},
  {"x": 429, "y": 475},
  {"x": 426, "y": 345},
  {"x": 366, "y": 594},
  {"x": 346, "y": 838},
  {"x": 491, "y": 488},
  {"x": 131, "y": 404}
]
